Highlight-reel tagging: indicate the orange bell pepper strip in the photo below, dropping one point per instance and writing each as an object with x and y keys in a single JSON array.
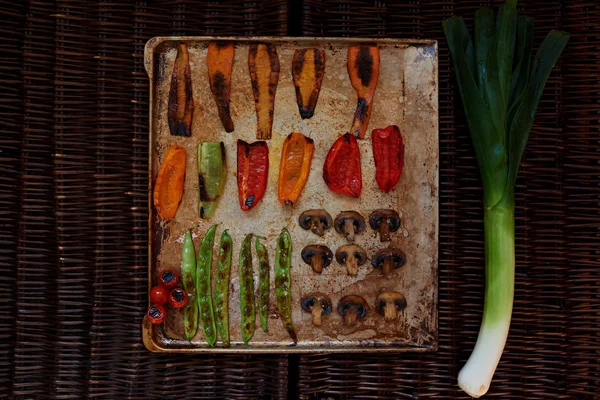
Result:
[
  {"x": 181, "y": 101},
  {"x": 296, "y": 157},
  {"x": 219, "y": 60},
  {"x": 168, "y": 188},
  {"x": 308, "y": 69},
  {"x": 263, "y": 64},
  {"x": 363, "y": 68}
]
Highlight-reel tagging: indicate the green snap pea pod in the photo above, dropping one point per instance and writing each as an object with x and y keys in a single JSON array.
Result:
[
  {"x": 212, "y": 172},
  {"x": 188, "y": 278},
  {"x": 222, "y": 287},
  {"x": 247, "y": 310},
  {"x": 203, "y": 287},
  {"x": 283, "y": 292},
  {"x": 263, "y": 283}
]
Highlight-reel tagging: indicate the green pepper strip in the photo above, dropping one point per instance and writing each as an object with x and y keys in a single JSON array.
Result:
[
  {"x": 263, "y": 283},
  {"x": 222, "y": 287},
  {"x": 247, "y": 310},
  {"x": 283, "y": 258},
  {"x": 203, "y": 287},
  {"x": 212, "y": 173},
  {"x": 188, "y": 275}
]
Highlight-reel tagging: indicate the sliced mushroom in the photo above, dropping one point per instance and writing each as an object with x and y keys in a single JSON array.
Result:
[
  {"x": 389, "y": 304},
  {"x": 318, "y": 305},
  {"x": 388, "y": 259},
  {"x": 352, "y": 307},
  {"x": 352, "y": 256},
  {"x": 317, "y": 256},
  {"x": 318, "y": 221},
  {"x": 384, "y": 221},
  {"x": 349, "y": 223}
]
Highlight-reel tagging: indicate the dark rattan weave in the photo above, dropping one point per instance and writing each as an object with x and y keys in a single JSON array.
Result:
[{"x": 73, "y": 199}]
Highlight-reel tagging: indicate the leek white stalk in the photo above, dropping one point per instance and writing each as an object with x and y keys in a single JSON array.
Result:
[
  {"x": 499, "y": 227},
  {"x": 500, "y": 86}
]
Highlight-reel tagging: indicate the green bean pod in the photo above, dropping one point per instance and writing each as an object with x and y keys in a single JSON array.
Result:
[
  {"x": 263, "y": 283},
  {"x": 188, "y": 280},
  {"x": 222, "y": 287},
  {"x": 203, "y": 286},
  {"x": 247, "y": 309},
  {"x": 283, "y": 259}
]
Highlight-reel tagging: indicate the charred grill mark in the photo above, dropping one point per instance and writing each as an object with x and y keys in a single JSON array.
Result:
[
  {"x": 219, "y": 84},
  {"x": 361, "y": 110},
  {"x": 249, "y": 201},
  {"x": 364, "y": 65}
]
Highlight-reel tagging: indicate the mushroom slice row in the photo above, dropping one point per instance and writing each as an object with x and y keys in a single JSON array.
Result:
[
  {"x": 352, "y": 256},
  {"x": 318, "y": 305},
  {"x": 317, "y": 256},
  {"x": 384, "y": 221}
]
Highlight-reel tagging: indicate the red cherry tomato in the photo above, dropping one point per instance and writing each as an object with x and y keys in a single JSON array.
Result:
[
  {"x": 159, "y": 295},
  {"x": 178, "y": 298},
  {"x": 156, "y": 314},
  {"x": 168, "y": 277}
]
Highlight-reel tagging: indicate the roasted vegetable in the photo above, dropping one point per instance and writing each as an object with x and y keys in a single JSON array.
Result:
[
  {"x": 388, "y": 259},
  {"x": 178, "y": 298},
  {"x": 203, "y": 286},
  {"x": 388, "y": 151},
  {"x": 222, "y": 287},
  {"x": 219, "y": 59},
  {"x": 212, "y": 174},
  {"x": 263, "y": 64},
  {"x": 352, "y": 256},
  {"x": 168, "y": 278},
  {"x": 389, "y": 304},
  {"x": 159, "y": 295},
  {"x": 341, "y": 171},
  {"x": 318, "y": 221},
  {"x": 264, "y": 284},
  {"x": 363, "y": 68},
  {"x": 385, "y": 221},
  {"x": 188, "y": 280},
  {"x": 317, "y": 256},
  {"x": 308, "y": 69},
  {"x": 252, "y": 172},
  {"x": 283, "y": 291},
  {"x": 168, "y": 188},
  {"x": 296, "y": 158},
  {"x": 247, "y": 306},
  {"x": 156, "y": 314},
  {"x": 181, "y": 101},
  {"x": 349, "y": 224},
  {"x": 500, "y": 87},
  {"x": 318, "y": 305},
  {"x": 352, "y": 308}
]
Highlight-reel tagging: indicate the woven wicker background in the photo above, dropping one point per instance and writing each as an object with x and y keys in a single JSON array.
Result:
[{"x": 73, "y": 198}]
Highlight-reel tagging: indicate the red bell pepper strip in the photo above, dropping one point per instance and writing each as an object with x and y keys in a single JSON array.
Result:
[
  {"x": 388, "y": 151},
  {"x": 252, "y": 172},
  {"x": 341, "y": 171}
]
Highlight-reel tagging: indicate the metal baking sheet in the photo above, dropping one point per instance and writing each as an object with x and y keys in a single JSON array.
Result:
[{"x": 406, "y": 95}]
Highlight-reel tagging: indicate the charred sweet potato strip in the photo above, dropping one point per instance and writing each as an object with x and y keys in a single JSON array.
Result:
[
  {"x": 220, "y": 61},
  {"x": 263, "y": 64},
  {"x": 168, "y": 188},
  {"x": 296, "y": 158},
  {"x": 308, "y": 68},
  {"x": 181, "y": 102},
  {"x": 363, "y": 68}
]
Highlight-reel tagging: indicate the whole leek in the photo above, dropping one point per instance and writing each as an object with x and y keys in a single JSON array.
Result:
[{"x": 500, "y": 86}]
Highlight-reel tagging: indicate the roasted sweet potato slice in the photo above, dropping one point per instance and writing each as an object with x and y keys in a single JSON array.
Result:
[
  {"x": 363, "y": 68},
  {"x": 220, "y": 61},
  {"x": 263, "y": 64},
  {"x": 168, "y": 188},
  {"x": 181, "y": 101},
  {"x": 308, "y": 68}
]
